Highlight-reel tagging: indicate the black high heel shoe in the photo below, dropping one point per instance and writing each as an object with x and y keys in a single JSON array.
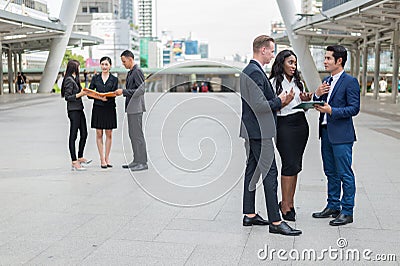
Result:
[{"x": 290, "y": 215}]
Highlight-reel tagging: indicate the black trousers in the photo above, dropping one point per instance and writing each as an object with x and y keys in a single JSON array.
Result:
[
  {"x": 77, "y": 122},
  {"x": 261, "y": 159}
]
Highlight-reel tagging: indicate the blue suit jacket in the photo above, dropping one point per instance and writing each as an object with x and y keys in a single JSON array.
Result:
[
  {"x": 345, "y": 103},
  {"x": 259, "y": 103}
]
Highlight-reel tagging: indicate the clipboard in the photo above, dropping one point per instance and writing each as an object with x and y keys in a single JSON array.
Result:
[{"x": 308, "y": 105}]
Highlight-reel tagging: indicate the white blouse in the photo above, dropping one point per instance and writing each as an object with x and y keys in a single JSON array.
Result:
[{"x": 287, "y": 86}]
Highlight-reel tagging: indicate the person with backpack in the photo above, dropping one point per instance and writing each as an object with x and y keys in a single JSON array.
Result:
[{"x": 21, "y": 82}]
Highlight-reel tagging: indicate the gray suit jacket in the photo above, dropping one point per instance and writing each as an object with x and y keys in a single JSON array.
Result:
[
  {"x": 134, "y": 91},
  {"x": 259, "y": 103}
]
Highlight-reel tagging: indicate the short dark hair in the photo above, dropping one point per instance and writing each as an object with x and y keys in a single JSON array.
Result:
[
  {"x": 128, "y": 53},
  {"x": 261, "y": 41},
  {"x": 338, "y": 52},
  {"x": 105, "y": 58}
]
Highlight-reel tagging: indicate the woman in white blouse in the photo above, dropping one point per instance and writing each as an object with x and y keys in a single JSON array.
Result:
[{"x": 292, "y": 128}]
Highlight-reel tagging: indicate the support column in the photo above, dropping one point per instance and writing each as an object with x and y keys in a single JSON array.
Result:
[
  {"x": 165, "y": 82},
  {"x": 377, "y": 65},
  {"x": 357, "y": 63},
  {"x": 364, "y": 67},
  {"x": 352, "y": 62},
  {"x": 11, "y": 88},
  {"x": 15, "y": 70},
  {"x": 20, "y": 62},
  {"x": 172, "y": 80},
  {"x": 395, "y": 79},
  {"x": 300, "y": 45},
  {"x": 1, "y": 70},
  {"x": 58, "y": 45}
]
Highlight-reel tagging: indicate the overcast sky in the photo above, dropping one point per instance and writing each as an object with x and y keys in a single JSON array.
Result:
[{"x": 228, "y": 26}]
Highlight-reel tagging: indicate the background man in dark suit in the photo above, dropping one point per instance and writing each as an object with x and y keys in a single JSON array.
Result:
[
  {"x": 341, "y": 93},
  {"x": 134, "y": 107},
  {"x": 259, "y": 106}
]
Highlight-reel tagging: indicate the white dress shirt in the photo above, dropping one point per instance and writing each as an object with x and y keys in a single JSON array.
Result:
[
  {"x": 333, "y": 83},
  {"x": 287, "y": 86},
  {"x": 259, "y": 63}
]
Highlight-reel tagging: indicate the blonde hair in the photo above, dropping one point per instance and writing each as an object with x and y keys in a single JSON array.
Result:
[{"x": 261, "y": 41}]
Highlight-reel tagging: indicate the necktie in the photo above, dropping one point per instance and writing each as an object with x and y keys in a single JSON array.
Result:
[{"x": 329, "y": 81}]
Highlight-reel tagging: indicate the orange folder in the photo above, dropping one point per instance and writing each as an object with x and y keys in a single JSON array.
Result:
[{"x": 99, "y": 95}]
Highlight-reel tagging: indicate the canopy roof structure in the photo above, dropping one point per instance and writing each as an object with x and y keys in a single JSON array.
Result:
[
  {"x": 23, "y": 34},
  {"x": 358, "y": 25},
  {"x": 349, "y": 23}
]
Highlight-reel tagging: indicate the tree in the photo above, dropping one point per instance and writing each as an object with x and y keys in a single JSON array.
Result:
[
  {"x": 143, "y": 62},
  {"x": 69, "y": 55}
]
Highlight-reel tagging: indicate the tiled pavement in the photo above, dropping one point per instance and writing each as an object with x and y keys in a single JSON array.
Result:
[{"x": 51, "y": 215}]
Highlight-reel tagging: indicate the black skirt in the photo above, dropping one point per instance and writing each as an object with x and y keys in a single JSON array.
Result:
[
  {"x": 104, "y": 117},
  {"x": 291, "y": 140}
]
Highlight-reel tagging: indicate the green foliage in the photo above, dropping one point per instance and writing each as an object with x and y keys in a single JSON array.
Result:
[
  {"x": 143, "y": 62},
  {"x": 56, "y": 88},
  {"x": 69, "y": 56}
]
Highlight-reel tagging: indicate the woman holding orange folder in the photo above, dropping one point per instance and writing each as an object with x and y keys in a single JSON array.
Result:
[{"x": 104, "y": 115}]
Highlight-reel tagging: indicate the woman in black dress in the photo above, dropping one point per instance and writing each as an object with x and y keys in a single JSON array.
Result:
[
  {"x": 292, "y": 128},
  {"x": 72, "y": 92},
  {"x": 104, "y": 115}
]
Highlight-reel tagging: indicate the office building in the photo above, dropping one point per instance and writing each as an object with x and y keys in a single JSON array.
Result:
[
  {"x": 203, "y": 49},
  {"x": 86, "y": 10},
  {"x": 127, "y": 10},
  {"x": 311, "y": 6},
  {"x": 145, "y": 18},
  {"x": 102, "y": 18},
  {"x": 328, "y": 4}
]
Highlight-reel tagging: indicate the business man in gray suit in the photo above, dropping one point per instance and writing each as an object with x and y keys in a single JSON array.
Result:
[
  {"x": 134, "y": 107},
  {"x": 259, "y": 106}
]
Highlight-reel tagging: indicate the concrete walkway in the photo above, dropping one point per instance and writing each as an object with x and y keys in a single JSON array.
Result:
[{"x": 51, "y": 215}]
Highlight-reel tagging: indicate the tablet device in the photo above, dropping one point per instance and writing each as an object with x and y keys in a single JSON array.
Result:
[{"x": 308, "y": 105}]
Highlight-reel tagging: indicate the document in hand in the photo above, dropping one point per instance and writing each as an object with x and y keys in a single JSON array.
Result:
[
  {"x": 308, "y": 105},
  {"x": 97, "y": 95}
]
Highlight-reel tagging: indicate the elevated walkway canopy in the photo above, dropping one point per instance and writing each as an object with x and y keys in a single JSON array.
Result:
[
  {"x": 357, "y": 25},
  {"x": 349, "y": 23},
  {"x": 23, "y": 34}
]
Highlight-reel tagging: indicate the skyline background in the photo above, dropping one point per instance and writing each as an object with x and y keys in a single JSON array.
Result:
[{"x": 228, "y": 28}]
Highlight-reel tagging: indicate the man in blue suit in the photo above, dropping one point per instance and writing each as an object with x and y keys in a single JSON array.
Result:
[
  {"x": 259, "y": 106},
  {"x": 341, "y": 94}
]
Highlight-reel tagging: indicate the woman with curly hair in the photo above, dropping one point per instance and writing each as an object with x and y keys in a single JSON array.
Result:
[{"x": 292, "y": 128}]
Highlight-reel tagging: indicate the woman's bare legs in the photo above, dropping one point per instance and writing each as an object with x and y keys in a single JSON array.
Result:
[
  {"x": 288, "y": 188},
  {"x": 100, "y": 146},
  {"x": 108, "y": 145}
]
